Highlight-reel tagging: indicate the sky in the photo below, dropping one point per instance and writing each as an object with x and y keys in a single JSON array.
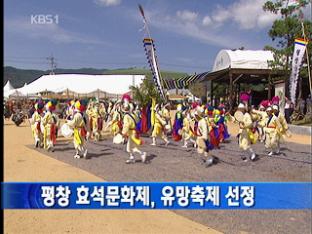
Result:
[{"x": 109, "y": 33}]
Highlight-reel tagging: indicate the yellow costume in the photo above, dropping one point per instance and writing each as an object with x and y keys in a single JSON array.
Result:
[
  {"x": 166, "y": 116},
  {"x": 70, "y": 110},
  {"x": 246, "y": 136},
  {"x": 202, "y": 136},
  {"x": 283, "y": 124},
  {"x": 271, "y": 133},
  {"x": 95, "y": 115},
  {"x": 187, "y": 133},
  {"x": 282, "y": 128},
  {"x": 89, "y": 112},
  {"x": 159, "y": 128},
  {"x": 245, "y": 132},
  {"x": 129, "y": 131},
  {"x": 116, "y": 123},
  {"x": 47, "y": 122},
  {"x": 79, "y": 126},
  {"x": 35, "y": 128},
  {"x": 261, "y": 122}
]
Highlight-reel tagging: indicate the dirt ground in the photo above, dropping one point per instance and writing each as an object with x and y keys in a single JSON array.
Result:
[
  {"x": 24, "y": 164},
  {"x": 19, "y": 157}
]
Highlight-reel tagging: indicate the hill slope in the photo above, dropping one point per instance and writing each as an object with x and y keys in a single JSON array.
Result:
[{"x": 18, "y": 77}]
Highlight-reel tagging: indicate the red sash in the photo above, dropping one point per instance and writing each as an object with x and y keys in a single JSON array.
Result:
[
  {"x": 38, "y": 127},
  {"x": 221, "y": 131},
  {"x": 100, "y": 124},
  {"x": 53, "y": 133},
  {"x": 83, "y": 132},
  {"x": 119, "y": 124}
]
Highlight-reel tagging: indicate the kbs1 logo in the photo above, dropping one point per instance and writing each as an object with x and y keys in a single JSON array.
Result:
[{"x": 44, "y": 19}]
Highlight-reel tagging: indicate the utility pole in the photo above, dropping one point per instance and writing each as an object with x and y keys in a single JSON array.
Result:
[{"x": 52, "y": 62}]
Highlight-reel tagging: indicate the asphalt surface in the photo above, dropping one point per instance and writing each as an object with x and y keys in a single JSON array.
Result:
[{"x": 174, "y": 163}]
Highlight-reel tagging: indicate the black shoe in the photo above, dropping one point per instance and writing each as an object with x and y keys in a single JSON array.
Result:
[
  {"x": 253, "y": 157},
  {"x": 211, "y": 160},
  {"x": 37, "y": 144},
  {"x": 244, "y": 158}
]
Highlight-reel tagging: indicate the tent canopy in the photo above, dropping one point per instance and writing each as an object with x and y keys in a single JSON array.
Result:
[
  {"x": 83, "y": 84},
  {"x": 13, "y": 93},
  {"x": 8, "y": 86},
  {"x": 243, "y": 59}
]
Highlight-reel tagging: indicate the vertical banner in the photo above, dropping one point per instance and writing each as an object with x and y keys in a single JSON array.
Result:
[
  {"x": 299, "y": 51},
  {"x": 152, "y": 60}
]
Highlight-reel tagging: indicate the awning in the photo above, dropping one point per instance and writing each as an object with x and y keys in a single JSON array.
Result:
[{"x": 184, "y": 82}]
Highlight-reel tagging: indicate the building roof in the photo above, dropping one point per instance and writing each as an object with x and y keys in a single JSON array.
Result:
[
  {"x": 8, "y": 86},
  {"x": 242, "y": 59},
  {"x": 83, "y": 84}
]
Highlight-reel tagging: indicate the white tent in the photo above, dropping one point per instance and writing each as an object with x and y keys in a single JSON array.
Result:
[
  {"x": 14, "y": 93},
  {"x": 82, "y": 84},
  {"x": 245, "y": 59},
  {"x": 7, "y": 86}
]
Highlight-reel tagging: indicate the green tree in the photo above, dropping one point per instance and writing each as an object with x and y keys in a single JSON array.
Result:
[
  {"x": 144, "y": 94},
  {"x": 284, "y": 31}
]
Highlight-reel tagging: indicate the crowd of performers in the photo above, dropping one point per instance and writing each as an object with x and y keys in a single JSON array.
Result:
[{"x": 197, "y": 125}]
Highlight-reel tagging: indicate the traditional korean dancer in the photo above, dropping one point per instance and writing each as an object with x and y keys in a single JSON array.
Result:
[
  {"x": 35, "y": 124},
  {"x": 187, "y": 131},
  {"x": 49, "y": 137},
  {"x": 130, "y": 133},
  {"x": 95, "y": 116},
  {"x": 167, "y": 117},
  {"x": 159, "y": 127},
  {"x": 261, "y": 122},
  {"x": 202, "y": 141},
  {"x": 177, "y": 124},
  {"x": 245, "y": 135},
  {"x": 283, "y": 130},
  {"x": 70, "y": 109},
  {"x": 219, "y": 120},
  {"x": 78, "y": 123},
  {"x": 213, "y": 127},
  {"x": 271, "y": 132}
]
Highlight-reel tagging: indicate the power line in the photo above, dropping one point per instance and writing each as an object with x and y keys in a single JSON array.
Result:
[{"x": 51, "y": 59}]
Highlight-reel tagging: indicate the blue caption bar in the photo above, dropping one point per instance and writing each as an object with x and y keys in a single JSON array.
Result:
[{"x": 166, "y": 195}]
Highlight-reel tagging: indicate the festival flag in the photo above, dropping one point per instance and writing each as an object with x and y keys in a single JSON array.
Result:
[
  {"x": 151, "y": 57},
  {"x": 152, "y": 60},
  {"x": 300, "y": 46}
]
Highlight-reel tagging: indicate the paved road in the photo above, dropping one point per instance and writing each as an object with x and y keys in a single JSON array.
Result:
[{"x": 174, "y": 163}]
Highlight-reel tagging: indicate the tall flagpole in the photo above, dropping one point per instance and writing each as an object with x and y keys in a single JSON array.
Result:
[
  {"x": 149, "y": 35},
  {"x": 301, "y": 17},
  {"x": 308, "y": 62}
]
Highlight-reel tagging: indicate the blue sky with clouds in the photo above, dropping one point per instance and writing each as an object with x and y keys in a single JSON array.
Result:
[{"x": 108, "y": 33}]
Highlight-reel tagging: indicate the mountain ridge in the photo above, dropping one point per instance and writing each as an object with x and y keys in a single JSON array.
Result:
[{"x": 18, "y": 77}]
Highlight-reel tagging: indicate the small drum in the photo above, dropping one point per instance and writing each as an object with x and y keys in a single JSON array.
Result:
[
  {"x": 118, "y": 139},
  {"x": 66, "y": 131},
  {"x": 239, "y": 116}
]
